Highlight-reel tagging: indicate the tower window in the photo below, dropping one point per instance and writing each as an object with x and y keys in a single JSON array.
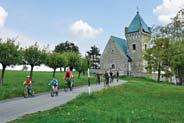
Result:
[
  {"x": 112, "y": 51},
  {"x": 113, "y": 66},
  {"x": 145, "y": 46},
  {"x": 134, "y": 46}
]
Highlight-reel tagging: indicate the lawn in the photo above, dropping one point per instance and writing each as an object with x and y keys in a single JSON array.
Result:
[
  {"x": 138, "y": 101},
  {"x": 13, "y": 82}
]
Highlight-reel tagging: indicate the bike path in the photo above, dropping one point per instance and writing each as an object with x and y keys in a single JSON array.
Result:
[{"x": 12, "y": 109}]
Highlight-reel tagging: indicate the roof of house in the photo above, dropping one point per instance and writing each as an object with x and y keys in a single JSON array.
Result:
[
  {"x": 121, "y": 44},
  {"x": 138, "y": 23}
]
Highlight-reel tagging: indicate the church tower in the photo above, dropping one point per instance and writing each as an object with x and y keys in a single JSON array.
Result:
[{"x": 138, "y": 36}]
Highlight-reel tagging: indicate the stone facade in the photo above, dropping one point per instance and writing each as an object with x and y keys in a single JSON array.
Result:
[
  {"x": 113, "y": 59},
  {"x": 128, "y": 60},
  {"x": 137, "y": 42}
]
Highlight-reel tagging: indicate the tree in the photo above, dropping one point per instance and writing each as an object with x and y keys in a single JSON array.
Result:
[
  {"x": 9, "y": 55},
  {"x": 94, "y": 55},
  {"x": 175, "y": 32},
  {"x": 55, "y": 60},
  {"x": 177, "y": 60},
  {"x": 175, "y": 29},
  {"x": 66, "y": 47},
  {"x": 82, "y": 66},
  {"x": 33, "y": 56},
  {"x": 158, "y": 56},
  {"x": 167, "y": 52},
  {"x": 72, "y": 59}
]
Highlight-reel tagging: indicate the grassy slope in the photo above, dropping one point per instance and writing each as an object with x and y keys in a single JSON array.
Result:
[
  {"x": 13, "y": 85},
  {"x": 138, "y": 101}
]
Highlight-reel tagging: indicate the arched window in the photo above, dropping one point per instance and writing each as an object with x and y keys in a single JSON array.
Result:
[
  {"x": 145, "y": 46},
  {"x": 113, "y": 66},
  {"x": 112, "y": 52}
]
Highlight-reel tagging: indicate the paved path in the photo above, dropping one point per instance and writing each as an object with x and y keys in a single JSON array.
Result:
[{"x": 14, "y": 108}]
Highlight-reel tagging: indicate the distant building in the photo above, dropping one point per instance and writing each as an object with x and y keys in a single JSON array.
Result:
[{"x": 127, "y": 55}]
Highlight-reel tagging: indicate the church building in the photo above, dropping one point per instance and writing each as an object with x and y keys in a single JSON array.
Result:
[{"x": 126, "y": 56}]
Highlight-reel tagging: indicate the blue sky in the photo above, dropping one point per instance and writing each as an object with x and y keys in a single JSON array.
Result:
[{"x": 55, "y": 21}]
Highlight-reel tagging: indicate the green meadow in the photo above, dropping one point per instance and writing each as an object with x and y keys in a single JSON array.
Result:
[
  {"x": 138, "y": 101},
  {"x": 13, "y": 82}
]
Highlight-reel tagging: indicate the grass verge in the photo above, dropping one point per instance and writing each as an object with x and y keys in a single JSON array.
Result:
[
  {"x": 13, "y": 82},
  {"x": 138, "y": 101}
]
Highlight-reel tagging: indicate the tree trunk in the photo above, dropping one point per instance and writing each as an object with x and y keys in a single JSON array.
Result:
[
  {"x": 31, "y": 72},
  {"x": 159, "y": 72},
  {"x": 53, "y": 75},
  {"x": 179, "y": 76},
  {"x": 79, "y": 74},
  {"x": 84, "y": 73},
  {"x": 2, "y": 74}
]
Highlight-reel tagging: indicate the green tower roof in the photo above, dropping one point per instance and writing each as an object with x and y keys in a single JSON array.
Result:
[
  {"x": 120, "y": 44},
  {"x": 138, "y": 23}
]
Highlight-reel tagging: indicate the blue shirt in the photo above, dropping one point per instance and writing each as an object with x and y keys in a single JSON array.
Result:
[{"x": 54, "y": 82}]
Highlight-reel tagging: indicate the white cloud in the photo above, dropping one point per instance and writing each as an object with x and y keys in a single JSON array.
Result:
[
  {"x": 167, "y": 10},
  {"x": 3, "y": 15},
  {"x": 82, "y": 29}
]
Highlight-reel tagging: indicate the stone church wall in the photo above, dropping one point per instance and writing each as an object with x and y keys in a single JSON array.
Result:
[{"x": 112, "y": 55}]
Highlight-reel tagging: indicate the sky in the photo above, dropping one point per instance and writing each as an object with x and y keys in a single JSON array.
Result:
[{"x": 84, "y": 22}]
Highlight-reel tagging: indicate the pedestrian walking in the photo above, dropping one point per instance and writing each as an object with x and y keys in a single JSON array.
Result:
[
  {"x": 106, "y": 75},
  {"x": 111, "y": 76},
  {"x": 98, "y": 78},
  {"x": 117, "y": 75}
]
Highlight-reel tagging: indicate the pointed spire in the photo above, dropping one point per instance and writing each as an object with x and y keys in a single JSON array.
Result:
[
  {"x": 137, "y": 10},
  {"x": 137, "y": 23}
]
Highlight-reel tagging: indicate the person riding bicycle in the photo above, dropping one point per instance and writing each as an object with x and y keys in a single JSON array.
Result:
[
  {"x": 68, "y": 78},
  {"x": 54, "y": 85},
  {"x": 28, "y": 86}
]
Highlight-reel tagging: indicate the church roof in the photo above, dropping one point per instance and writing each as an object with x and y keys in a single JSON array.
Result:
[
  {"x": 138, "y": 23},
  {"x": 121, "y": 44}
]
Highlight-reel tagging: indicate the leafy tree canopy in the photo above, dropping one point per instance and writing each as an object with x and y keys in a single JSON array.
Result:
[
  {"x": 33, "y": 56},
  {"x": 55, "y": 60},
  {"x": 9, "y": 55},
  {"x": 72, "y": 59},
  {"x": 66, "y": 47},
  {"x": 93, "y": 55}
]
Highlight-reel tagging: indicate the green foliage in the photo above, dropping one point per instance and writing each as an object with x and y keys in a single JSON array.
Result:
[
  {"x": 66, "y": 47},
  {"x": 158, "y": 56},
  {"x": 167, "y": 53},
  {"x": 33, "y": 56},
  {"x": 9, "y": 55},
  {"x": 9, "y": 52},
  {"x": 175, "y": 28},
  {"x": 93, "y": 55},
  {"x": 73, "y": 59},
  {"x": 177, "y": 59},
  {"x": 138, "y": 101},
  {"x": 55, "y": 60},
  {"x": 82, "y": 66}
]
